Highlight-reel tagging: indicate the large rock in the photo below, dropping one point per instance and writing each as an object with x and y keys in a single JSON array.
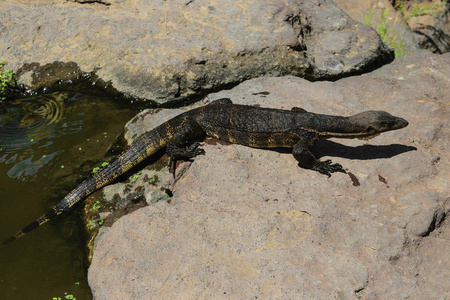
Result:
[
  {"x": 172, "y": 50},
  {"x": 249, "y": 223}
]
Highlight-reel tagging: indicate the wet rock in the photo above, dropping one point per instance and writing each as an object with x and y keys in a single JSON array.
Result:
[
  {"x": 48, "y": 75},
  {"x": 247, "y": 223},
  {"x": 167, "y": 51}
]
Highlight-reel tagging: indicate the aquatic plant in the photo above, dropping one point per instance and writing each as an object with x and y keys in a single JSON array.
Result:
[
  {"x": 8, "y": 82},
  {"x": 96, "y": 169}
]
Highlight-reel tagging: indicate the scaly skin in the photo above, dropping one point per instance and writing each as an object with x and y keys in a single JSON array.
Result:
[{"x": 246, "y": 125}]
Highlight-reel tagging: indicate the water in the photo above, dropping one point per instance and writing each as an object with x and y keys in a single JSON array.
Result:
[{"x": 49, "y": 143}]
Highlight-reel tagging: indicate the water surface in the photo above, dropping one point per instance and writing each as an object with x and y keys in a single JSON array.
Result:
[{"x": 48, "y": 143}]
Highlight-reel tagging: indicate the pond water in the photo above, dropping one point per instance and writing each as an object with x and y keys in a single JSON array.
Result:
[{"x": 48, "y": 144}]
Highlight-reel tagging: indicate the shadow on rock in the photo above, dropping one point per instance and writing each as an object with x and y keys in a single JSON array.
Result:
[{"x": 363, "y": 152}]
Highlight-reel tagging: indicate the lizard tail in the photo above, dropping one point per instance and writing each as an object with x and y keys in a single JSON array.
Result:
[
  {"x": 143, "y": 147},
  {"x": 43, "y": 219}
]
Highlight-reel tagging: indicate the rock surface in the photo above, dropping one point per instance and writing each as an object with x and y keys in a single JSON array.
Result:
[
  {"x": 168, "y": 51},
  {"x": 249, "y": 223}
]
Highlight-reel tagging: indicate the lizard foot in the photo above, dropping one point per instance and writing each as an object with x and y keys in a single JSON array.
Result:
[
  {"x": 326, "y": 168},
  {"x": 190, "y": 152},
  {"x": 195, "y": 150}
]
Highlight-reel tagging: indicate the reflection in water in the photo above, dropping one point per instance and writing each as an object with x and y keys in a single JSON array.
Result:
[{"x": 29, "y": 167}]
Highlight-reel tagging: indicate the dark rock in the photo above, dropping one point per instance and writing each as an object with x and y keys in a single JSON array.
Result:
[{"x": 338, "y": 44}]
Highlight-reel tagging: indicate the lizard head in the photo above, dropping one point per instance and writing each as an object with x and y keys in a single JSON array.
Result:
[{"x": 374, "y": 122}]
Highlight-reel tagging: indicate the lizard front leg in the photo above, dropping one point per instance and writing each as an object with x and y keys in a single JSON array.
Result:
[
  {"x": 307, "y": 160},
  {"x": 178, "y": 147}
]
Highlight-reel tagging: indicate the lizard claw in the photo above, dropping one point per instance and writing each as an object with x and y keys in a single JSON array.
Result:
[
  {"x": 186, "y": 153},
  {"x": 199, "y": 151},
  {"x": 194, "y": 150},
  {"x": 326, "y": 168}
]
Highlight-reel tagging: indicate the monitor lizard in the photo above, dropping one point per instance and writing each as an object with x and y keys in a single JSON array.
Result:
[{"x": 241, "y": 124}]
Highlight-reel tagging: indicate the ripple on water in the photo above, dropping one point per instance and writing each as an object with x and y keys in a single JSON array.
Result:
[
  {"x": 24, "y": 121},
  {"x": 32, "y": 123}
]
